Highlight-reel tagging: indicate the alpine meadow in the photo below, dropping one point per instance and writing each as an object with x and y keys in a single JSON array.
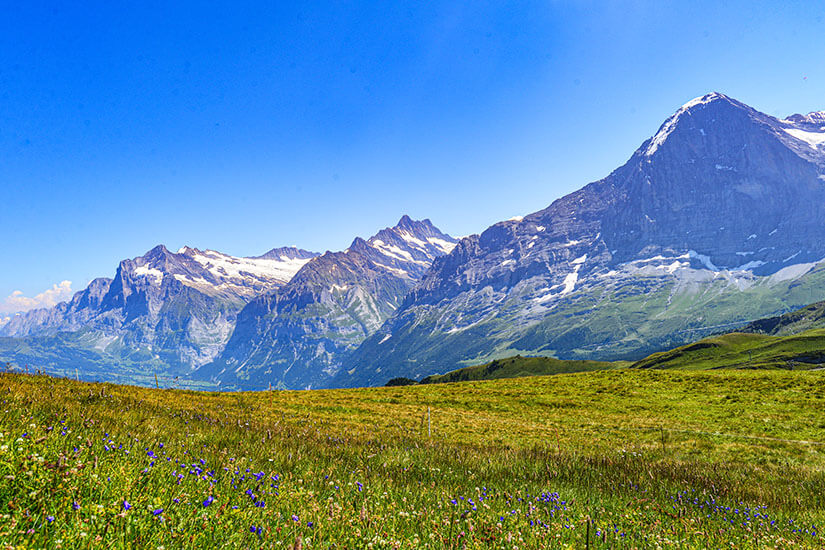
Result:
[{"x": 439, "y": 275}]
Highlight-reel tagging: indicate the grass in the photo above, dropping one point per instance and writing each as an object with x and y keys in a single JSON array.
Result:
[
  {"x": 806, "y": 318},
  {"x": 748, "y": 351},
  {"x": 607, "y": 459},
  {"x": 518, "y": 366}
]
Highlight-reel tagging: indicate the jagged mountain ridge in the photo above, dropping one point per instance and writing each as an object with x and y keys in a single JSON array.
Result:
[
  {"x": 723, "y": 202},
  {"x": 297, "y": 336},
  {"x": 179, "y": 308}
]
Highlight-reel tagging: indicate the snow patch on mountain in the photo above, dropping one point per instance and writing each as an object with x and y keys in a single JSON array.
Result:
[
  {"x": 814, "y": 139},
  {"x": 393, "y": 251},
  {"x": 146, "y": 271},
  {"x": 412, "y": 239},
  {"x": 225, "y": 266},
  {"x": 749, "y": 266},
  {"x": 671, "y": 123},
  {"x": 705, "y": 260},
  {"x": 792, "y": 272},
  {"x": 445, "y": 246},
  {"x": 569, "y": 282}
]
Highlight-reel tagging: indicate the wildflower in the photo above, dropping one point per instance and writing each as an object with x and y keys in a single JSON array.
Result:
[
  {"x": 50, "y": 518},
  {"x": 158, "y": 512},
  {"x": 208, "y": 501},
  {"x": 295, "y": 518},
  {"x": 126, "y": 505},
  {"x": 75, "y": 505}
]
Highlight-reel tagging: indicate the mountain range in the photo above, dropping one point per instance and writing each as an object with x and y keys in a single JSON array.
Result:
[
  {"x": 171, "y": 311},
  {"x": 284, "y": 318},
  {"x": 716, "y": 220},
  {"x": 298, "y": 335}
]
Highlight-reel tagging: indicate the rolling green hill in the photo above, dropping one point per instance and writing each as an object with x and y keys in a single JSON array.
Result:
[
  {"x": 518, "y": 366},
  {"x": 806, "y": 318},
  {"x": 737, "y": 350},
  {"x": 793, "y": 341}
]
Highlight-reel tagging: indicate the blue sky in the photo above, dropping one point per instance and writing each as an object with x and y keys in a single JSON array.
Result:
[{"x": 249, "y": 126}]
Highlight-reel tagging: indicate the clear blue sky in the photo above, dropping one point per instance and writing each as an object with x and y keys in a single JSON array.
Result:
[{"x": 245, "y": 127}]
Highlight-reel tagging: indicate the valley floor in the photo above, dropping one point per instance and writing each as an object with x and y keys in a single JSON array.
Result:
[{"x": 609, "y": 459}]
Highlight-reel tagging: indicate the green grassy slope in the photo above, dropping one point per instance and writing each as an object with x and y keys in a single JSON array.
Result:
[
  {"x": 805, "y": 350},
  {"x": 617, "y": 458},
  {"x": 622, "y": 319},
  {"x": 514, "y": 367},
  {"x": 806, "y": 318}
]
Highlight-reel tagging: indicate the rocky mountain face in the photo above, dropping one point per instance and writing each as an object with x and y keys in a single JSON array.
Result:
[
  {"x": 717, "y": 219},
  {"x": 173, "y": 310},
  {"x": 298, "y": 336}
]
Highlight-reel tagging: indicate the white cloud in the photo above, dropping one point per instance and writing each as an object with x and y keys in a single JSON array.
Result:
[{"x": 16, "y": 302}]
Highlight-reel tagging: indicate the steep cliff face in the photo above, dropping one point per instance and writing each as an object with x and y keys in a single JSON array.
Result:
[
  {"x": 298, "y": 336},
  {"x": 723, "y": 202},
  {"x": 174, "y": 310}
]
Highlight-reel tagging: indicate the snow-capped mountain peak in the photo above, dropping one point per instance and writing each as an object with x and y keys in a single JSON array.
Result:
[
  {"x": 216, "y": 273},
  {"x": 297, "y": 335},
  {"x": 809, "y": 129},
  {"x": 685, "y": 110},
  {"x": 411, "y": 241},
  {"x": 814, "y": 117},
  {"x": 722, "y": 206}
]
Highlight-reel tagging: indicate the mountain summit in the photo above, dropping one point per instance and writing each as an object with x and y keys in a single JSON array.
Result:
[
  {"x": 298, "y": 336},
  {"x": 715, "y": 219}
]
